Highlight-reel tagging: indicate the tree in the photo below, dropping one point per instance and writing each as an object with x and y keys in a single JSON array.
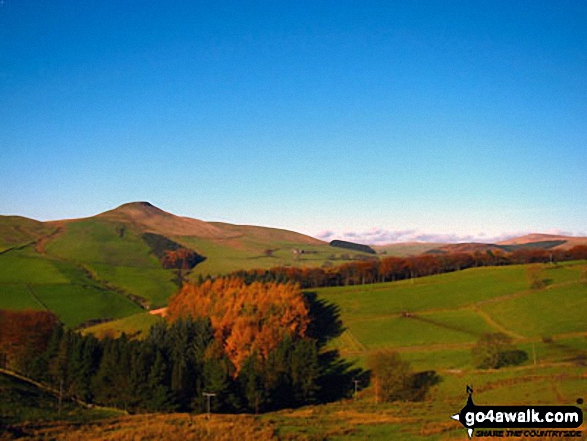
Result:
[
  {"x": 536, "y": 276},
  {"x": 392, "y": 376},
  {"x": 495, "y": 350}
]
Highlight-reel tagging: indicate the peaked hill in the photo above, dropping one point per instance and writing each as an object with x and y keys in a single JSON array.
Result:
[{"x": 130, "y": 258}]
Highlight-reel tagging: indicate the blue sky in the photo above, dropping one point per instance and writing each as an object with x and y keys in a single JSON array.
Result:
[{"x": 384, "y": 120}]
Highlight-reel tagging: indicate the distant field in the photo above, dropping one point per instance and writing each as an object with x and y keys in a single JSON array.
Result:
[
  {"x": 27, "y": 267},
  {"x": 447, "y": 313},
  {"x": 406, "y": 249},
  {"x": 29, "y": 280},
  {"x": 99, "y": 241},
  {"x": 444, "y": 291},
  {"x": 153, "y": 284},
  {"x": 18, "y": 297},
  {"x": 554, "y": 310},
  {"x": 136, "y": 325},
  {"x": 77, "y": 304},
  {"x": 16, "y": 231},
  {"x": 225, "y": 256},
  {"x": 434, "y": 321}
]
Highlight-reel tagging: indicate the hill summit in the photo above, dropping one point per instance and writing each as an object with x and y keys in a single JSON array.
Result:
[{"x": 155, "y": 220}]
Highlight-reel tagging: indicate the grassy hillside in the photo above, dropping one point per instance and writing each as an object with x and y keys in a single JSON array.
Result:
[
  {"x": 29, "y": 279},
  {"x": 103, "y": 268},
  {"x": 433, "y": 322},
  {"x": 436, "y": 320},
  {"x": 22, "y": 402},
  {"x": 16, "y": 231},
  {"x": 135, "y": 326}
]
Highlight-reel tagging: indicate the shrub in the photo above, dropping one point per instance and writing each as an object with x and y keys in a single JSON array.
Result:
[
  {"x": 493, "y": 351},
  {"x": 395, "y": 380}
]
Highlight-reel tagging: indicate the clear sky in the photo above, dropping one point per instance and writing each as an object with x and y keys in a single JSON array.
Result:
[{"x": 386, "y": 120}]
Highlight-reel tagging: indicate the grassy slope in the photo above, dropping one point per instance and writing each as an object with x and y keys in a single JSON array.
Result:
[
  {"x": 31, "y": 279},
  {"x": 450, "y": 311},
  {"x": 21, "y": 402},
  {"x": 16, "y": 231},
  {"x": 136, "y": 325},
  {"x": 224, "y": 256},
  {"x": 102, "y": 266}
]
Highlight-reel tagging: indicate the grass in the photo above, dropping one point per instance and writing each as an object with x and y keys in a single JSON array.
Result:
[
  {"x": 225, "y": 256},
  {"x": 98, "y": 241},
  {"x": 27, "y": 267},
  {"x": 21, "y": 402},
  {"x": 76, "y": 304},
  {"x": 136, "y": 325},
  {"x": 399, "y": 331},
  {"x": 31, "y": 280},
  {"x": 449, "y": 312},
  {"x": 16, "y": 231},
  {"x": 153, "y": 284},
  {"x": 17, "y": 297},
  {"x": 444, "y": 291},
  {"x": 554, "y": 310}
]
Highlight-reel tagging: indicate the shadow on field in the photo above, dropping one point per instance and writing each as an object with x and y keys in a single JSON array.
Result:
[
  {"x": 337, "y": 374},
  {"x": 325, "y": 322}
]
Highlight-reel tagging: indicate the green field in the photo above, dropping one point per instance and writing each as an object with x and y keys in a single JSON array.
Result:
[
  {"x": 433, "y": 316},
  {"x": 154, "y": 284},
  {"x": 136, "y": 326},
  {"x": 225, "y": 256},
  {"x": 28, "y": 267},
  {"x": 432, "y": 322},
  {"x": 99, "y": 241},
  {"x": 106, "y": 262},
  {"x": 31, "y": 280}
]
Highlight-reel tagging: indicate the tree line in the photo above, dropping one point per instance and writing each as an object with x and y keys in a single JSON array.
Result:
[
  {"x": 389, "y": 269},
  {"x": 169, "y": 370}
]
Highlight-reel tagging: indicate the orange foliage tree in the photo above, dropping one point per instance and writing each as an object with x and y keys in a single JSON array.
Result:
[
  {"x": 23, "y": 335},
  {"x": 246, "y": 319}
]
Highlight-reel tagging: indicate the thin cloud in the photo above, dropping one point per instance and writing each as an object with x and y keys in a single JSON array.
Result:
[{"x": 382, "y": 236}]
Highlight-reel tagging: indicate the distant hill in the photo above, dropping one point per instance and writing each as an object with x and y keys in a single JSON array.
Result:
[
  {"x": 152, "y": 219},
  {"x": 566, "y": 241},
  {"x": 120, "y": 262},
  {"x": 531, "y": 241},
  {"x": 17, "y": 231}
]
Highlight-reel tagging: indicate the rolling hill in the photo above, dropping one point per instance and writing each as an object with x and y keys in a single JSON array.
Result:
[
  {"x": 110, "y": 265},
  {"x": 113, "y": 265}
]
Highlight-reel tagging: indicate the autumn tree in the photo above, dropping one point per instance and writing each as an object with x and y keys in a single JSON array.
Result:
[
  {"x": 245, "y": 318},
  {"x": 23, "y": 336}
]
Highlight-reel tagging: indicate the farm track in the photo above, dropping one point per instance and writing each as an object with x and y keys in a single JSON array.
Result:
[
  {"x": 43, "y": 240},
  {"x": 491, "y": 322}
]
